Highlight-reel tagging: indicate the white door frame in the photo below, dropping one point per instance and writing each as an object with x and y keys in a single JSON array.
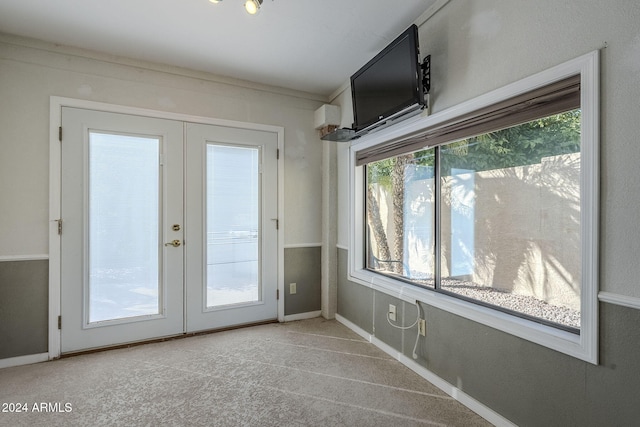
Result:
[{"x": 55, "y": 191}]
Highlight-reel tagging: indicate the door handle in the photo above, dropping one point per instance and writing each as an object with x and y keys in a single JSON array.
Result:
[{"x": 174, "y": 243}]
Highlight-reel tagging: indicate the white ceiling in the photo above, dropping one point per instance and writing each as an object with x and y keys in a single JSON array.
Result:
[{"x": 311, "y": 46}]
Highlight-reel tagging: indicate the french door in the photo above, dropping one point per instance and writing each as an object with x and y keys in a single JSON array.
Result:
[
  {"x": 150, "y": 248},
  {"x": 231, "y": 222}
]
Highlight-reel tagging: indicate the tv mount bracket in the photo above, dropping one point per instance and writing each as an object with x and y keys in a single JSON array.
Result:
[
  {"x": 426, "y": 74},
  {"x": 426, "y": 80}
]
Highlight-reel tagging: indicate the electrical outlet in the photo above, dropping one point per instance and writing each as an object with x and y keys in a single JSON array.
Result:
[
  {"x": 422, "y": 327},
  {"x": 293, "y": 288},
  {"x": 392, "y": 312}
]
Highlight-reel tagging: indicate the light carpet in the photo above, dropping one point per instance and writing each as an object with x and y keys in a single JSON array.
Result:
[{"x": 307, "y": 373}]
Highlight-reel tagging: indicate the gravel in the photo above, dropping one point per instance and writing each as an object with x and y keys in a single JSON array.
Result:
[{"x": 520, "y": 303}]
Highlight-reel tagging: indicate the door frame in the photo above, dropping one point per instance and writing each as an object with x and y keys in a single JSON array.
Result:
[{"x": 56, "y": 103}]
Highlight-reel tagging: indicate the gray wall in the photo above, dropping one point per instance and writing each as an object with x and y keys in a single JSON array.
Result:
[
  {"x": 524, "y": 382},
  {"x": 24, "y": 305},
  {"x": 24, "y": 298},
  {"x": 302, "y": 267}
]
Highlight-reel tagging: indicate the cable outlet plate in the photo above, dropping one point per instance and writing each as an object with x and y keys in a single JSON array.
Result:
[
  {"x": 422, "y": 327},
  {"x": 392, "y": 312}
]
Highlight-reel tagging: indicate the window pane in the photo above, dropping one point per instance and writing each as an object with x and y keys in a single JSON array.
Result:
[
  {"x": 233, "y": 212},
  {"x": 400, "y": 209},
  {"x": 124, "y": 215},
  {"x": 510, "y": 218}
]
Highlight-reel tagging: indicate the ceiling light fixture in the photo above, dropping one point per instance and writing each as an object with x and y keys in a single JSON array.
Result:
[{"x": 253, "y": 6}]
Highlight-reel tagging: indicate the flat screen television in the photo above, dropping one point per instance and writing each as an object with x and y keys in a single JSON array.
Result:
[{"x": 389, "y": 85}]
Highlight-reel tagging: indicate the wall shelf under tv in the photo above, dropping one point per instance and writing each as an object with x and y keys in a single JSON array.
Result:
[{"x": 340, "y": 135}]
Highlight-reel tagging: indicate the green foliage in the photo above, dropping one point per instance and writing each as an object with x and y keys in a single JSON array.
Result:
[
  {"x": 525, "y": 144},
  {"x": 380, "y": 172},
  {"x": 519, "y": 145}
]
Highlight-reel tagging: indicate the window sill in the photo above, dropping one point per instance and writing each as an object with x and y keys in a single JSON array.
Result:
[{"x": 578, "y": 346}]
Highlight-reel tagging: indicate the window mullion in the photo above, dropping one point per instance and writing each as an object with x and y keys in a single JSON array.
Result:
[{"x": 437, "y": 188}]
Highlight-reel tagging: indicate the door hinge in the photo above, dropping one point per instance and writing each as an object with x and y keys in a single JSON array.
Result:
[
  {"x": 278, "y": 154},
  {"x": 277, "y": 224},
  {"x": 59, "y": 322},
  {"x": 59, "y": 221},
  {"x": 60, "y": 134},
  {"x": 277, "y": 294}
]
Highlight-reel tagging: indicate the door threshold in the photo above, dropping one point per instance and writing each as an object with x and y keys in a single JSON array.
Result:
[{"x": 167, "y": 338}]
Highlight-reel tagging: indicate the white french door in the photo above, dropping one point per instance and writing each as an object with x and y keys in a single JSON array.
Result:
[
  {"x": 122, "y": 182},
  {"x": 231, "y": 263},
  {"x": 131, "y": 267}
]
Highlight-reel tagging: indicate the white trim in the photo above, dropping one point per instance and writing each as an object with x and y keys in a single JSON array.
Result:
[
  {"x": 339, "y": 246},
  {"x": 302, "y": 316},
  {"x": 484, "y": 411},
  {"x": 281, "y": 223},
  {"x": 617, "y": 299},
  {"x": 38, "y": 257},
  {"x": 548, "y": 336},
  {"x": 358, "y": 330},
  {"x": 303, "y": 245},
  {"x": 583, "y": 346},
  {"x": 24, "y": 360},
  {"x": 56, "y": 104},
  {"x": 589, "y": 66},
  {"x": 55, "y": 213},
  {"x": 59, "y": 102}
]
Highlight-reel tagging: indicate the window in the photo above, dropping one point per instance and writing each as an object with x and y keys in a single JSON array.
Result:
[
  {"x": 509, "y": 219},
  {"x": 491, "y": 213}
]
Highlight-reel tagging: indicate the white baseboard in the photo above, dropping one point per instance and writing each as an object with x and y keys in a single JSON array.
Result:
[
  {"x": 302, "y": 316},
  {"x": 24, "y": 360},
  {"x": 459, "y": 395}
]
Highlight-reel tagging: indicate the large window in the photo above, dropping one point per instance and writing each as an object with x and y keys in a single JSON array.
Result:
[
  {"x": 491, "y": 212},
  {"x": 509, "y": 219}
]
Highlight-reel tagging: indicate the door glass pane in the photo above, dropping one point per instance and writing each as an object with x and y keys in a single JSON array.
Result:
[
  {"x": 124, "y": 219},
  {"x": 233, "y": 211}
]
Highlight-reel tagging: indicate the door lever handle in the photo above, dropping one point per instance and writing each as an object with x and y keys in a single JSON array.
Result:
[{"x": 174, "y": 243}]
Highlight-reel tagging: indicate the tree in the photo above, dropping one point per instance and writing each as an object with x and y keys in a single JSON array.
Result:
[
  {"x": 519, "y": 145},
  {"x": 398, "y": 178},
  {"x": 376, "y": 227}
]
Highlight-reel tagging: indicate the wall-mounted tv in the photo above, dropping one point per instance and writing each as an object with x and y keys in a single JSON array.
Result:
[{"x": 389, "y": 85}]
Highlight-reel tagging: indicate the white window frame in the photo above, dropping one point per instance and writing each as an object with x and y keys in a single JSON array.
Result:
[{"x": 583, "y": 346}]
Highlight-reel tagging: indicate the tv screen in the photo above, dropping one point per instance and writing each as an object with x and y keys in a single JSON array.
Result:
[{"x": 389, "y": 83}]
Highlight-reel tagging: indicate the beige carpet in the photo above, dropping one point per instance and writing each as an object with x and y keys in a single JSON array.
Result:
[{"x": 308, "y": 373}]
